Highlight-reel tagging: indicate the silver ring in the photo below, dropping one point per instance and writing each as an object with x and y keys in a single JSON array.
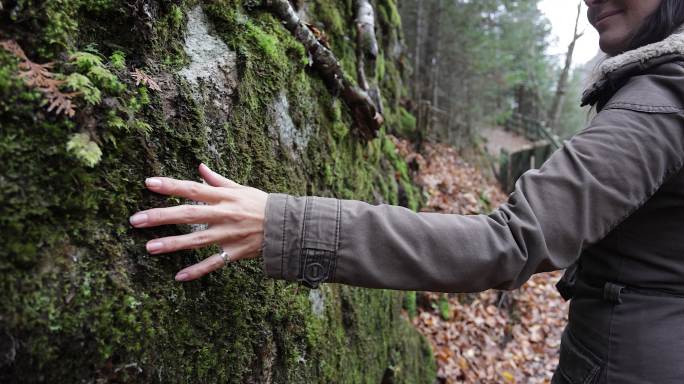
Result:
[{"x": 225, "y": 258}]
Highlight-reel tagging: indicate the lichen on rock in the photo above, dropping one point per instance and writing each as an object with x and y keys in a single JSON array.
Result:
[
  {"x": 212, "y": 64},
  {"x": 294, "y": 139}
]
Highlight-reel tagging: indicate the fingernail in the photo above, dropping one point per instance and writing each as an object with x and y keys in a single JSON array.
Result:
[
  {"x": 138, "y": 219},
  {"x": 153, "y": 182},
  {"x": 154, "y": 246},
  {"x": 182, "y": 276}
]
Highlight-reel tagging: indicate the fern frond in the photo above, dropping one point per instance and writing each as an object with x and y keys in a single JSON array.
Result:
[
  {"x": 40, "y": 77},
  {"x": 141, "y": 77}
]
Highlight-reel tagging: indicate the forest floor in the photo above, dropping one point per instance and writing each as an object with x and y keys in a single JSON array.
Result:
[{"x": 493, "y": 336}]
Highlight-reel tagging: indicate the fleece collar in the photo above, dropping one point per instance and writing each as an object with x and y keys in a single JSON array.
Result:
[{"x": 626, "y": 63}]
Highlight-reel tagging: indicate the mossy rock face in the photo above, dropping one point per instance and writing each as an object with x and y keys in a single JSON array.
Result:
[{"x": 80, "y": 299}]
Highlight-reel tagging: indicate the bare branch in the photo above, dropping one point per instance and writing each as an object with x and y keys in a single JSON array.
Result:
[
  {"x": 367, "y": 51},
  {"x": 367, "y": 115},
  {"x": 557, "y": 104}
]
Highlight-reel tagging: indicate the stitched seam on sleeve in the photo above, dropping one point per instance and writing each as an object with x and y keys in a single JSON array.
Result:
[
  {"x": 302, "y": 255},
  {"x": 338, "y": 219},
  {"x": 282, "y": 251},
  {"x": 643, "y": 107},
  {"x": 669, "y": 173}
]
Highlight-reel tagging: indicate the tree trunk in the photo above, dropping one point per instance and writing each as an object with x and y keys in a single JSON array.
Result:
[
  {"x": 557, "y": 104},
  {"x": 435, "y": 62},
  {"x": 418, "y": 55},
  {"x": 149, "y": 87}
]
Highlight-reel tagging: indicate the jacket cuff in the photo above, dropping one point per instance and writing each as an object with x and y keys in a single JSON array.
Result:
[{"x": 301, "y": 238}]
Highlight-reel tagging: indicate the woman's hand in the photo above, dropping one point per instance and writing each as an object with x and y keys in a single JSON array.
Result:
[{"x": 235, "y": 215}]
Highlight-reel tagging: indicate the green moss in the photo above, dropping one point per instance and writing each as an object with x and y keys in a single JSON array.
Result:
[
  {"x": 389, "y": 13},
  {"x": 407, "y": 122},
  {"x": 61, "y": 25},
  {"x": 267, "y": 43},
  {"x": 410, "y": 304},
  {"x": 333, "y": 18},
  {"x": 380, "y": 66},
  {"x": 176, "y": 16},
  {"x": 83, "y": 299}
]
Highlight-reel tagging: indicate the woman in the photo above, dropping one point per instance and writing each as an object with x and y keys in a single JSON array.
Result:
[{"x": 610, "y": 204}]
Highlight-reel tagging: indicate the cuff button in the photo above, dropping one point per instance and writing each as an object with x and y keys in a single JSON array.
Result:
[{"x": 314, "y": 272}]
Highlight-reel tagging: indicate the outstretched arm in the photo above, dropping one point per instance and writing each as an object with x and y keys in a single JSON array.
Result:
[{"x": 582, "y": 192}]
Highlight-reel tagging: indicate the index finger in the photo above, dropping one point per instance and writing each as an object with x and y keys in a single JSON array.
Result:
[{"x": 189, "y": 189}]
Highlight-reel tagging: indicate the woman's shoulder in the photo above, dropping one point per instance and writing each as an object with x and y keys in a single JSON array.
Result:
[
  {"x": 656, "y": 89},
  {"x": 648, "y": 76}
]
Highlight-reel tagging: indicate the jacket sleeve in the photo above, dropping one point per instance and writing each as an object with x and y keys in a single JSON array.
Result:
[{"x": 582, "y": 192}]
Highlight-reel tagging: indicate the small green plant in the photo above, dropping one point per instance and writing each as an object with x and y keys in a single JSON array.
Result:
[
  {"x": 485, "y": 203},
  {"x": 141, "y": 127},
  {"x": 444, "y": 307},
  {"x": 86, "y": 150},
  {"x": 143, "y": 96},
  {"x": 176, "y": 15},
  {"x": 410, "y": 304},
  {"x": 117, "y": 60},
  {"x": 115, "y": 122},
  {"x": 86, "y": 60},
  {"x": 85, "y": 87},
  {"x": 107, "y": 80}
]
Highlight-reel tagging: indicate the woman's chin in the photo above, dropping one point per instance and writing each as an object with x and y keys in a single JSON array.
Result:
[{"x": 613, "y": 43}]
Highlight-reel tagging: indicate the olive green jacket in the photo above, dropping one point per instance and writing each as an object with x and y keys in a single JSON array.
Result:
[{"x": 629, "y": 151}]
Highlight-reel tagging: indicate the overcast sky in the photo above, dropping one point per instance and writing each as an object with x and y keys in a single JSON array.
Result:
[{"x": 562, "y": 14}]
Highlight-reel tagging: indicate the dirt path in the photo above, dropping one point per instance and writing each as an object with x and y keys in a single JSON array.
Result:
[{"x": 497, "y": 138}]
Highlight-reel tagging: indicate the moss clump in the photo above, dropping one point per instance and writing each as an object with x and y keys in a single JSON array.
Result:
[
  {"x": 407, "y": 123},
  {"x": 266, "y": 42},
  {"x": 410, "y": 304},
  {"x": 389, "y": 13}
]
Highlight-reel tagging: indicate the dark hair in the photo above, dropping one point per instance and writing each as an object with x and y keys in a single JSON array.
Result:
[{"x": 665, "y": 20}]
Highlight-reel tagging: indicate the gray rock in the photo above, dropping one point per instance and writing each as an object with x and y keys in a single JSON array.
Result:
[
  {"x": 317, "y": 302},
  {"x": 291, "y": 138},
  {"x": 212, "y": 63}
]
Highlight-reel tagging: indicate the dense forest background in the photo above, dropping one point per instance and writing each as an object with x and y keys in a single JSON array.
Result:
[
  {"x": 482, "y": 63},
  {"x": 309, "y": 97}
]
